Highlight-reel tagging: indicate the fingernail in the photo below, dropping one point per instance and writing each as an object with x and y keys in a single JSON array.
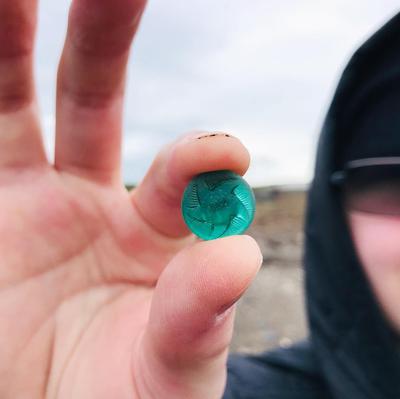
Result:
[
  {"x": 224, "y": 314},
  {"x": 214, "y": 135},
  {"x": 227, "y": 308}
]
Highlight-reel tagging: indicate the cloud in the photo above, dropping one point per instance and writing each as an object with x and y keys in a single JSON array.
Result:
[{"x": 262, "y": 70}]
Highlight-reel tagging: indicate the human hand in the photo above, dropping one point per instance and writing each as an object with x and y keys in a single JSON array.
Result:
[{"x": 105, "y": 293}]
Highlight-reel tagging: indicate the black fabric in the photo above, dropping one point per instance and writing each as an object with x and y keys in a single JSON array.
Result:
[
  {"x": 351, "y": 352},
  {"x": 276, "y": 374},
  {"x": 379, "y": 116}
]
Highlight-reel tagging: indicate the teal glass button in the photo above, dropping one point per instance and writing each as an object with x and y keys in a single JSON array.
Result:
[{"x": 218, "y": 204}]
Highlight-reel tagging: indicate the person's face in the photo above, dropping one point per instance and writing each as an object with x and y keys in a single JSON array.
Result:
[{"x": 377, "y": 242}]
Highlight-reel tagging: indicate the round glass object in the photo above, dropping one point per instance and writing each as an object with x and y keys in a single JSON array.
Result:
[{"x": 218, "y": 204}]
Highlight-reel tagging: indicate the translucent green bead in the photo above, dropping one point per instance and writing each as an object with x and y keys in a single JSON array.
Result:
[{"x": 218, "y": 204}]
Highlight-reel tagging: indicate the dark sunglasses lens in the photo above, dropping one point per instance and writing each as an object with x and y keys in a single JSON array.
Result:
[{"x": 374, "y": 189}]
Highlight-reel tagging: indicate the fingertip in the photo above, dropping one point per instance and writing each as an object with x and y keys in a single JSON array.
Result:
[
  {"x": 199, "y": 152},
  {"x": 159, "y": 195},
  {"x": 224, "y": 268},
  {"x": 255, "y": 247},
  {"x": 244, "y": 260},
  {"x": 247, "y": 245}
]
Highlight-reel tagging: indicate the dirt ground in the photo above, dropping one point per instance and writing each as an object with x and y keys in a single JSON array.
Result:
[{"x": 271, "y": 313}]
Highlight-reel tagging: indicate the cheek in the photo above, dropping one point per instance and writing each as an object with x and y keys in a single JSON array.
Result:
[{"x": 376, "y": 240}]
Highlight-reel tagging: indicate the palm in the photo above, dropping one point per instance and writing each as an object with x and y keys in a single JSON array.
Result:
[
  {"x": 84, "y": 261},
  {"x": 104, "y": 293}
]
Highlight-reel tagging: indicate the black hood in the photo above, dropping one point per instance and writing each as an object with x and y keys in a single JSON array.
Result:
[{"x": 354, "y": 343}]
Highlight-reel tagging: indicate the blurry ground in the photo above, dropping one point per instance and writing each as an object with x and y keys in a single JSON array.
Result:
[{"x": 271, "y": 313}]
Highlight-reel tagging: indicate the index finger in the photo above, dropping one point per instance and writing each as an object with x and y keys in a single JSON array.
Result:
[{"x": 158, "y": 196}]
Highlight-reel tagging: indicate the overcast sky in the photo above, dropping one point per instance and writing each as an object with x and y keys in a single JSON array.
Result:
[{"x": 263, "y": 70}]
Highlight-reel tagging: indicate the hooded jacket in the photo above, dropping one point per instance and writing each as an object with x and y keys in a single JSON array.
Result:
[{"x": 352, "y": 352}]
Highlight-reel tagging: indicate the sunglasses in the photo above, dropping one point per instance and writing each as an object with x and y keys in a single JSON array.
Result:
[{"x": 370, "y": 185}]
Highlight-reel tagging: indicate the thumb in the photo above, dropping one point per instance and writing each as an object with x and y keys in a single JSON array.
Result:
[{"x": 183, "y": 351}]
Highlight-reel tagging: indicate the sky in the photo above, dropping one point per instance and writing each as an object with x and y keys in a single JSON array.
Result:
[{"x": 262, "y": 70}]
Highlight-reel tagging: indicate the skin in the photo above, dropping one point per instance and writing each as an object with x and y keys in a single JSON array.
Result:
[
  {"x": 376, "y": 240},
  {"x": 105, "y": 293}
]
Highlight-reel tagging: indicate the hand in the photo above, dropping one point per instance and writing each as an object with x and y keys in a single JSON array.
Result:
[{"x": 105, "y": 293}]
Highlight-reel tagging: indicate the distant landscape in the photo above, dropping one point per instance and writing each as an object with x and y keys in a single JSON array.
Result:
[{"x": 271, "y": 312}]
